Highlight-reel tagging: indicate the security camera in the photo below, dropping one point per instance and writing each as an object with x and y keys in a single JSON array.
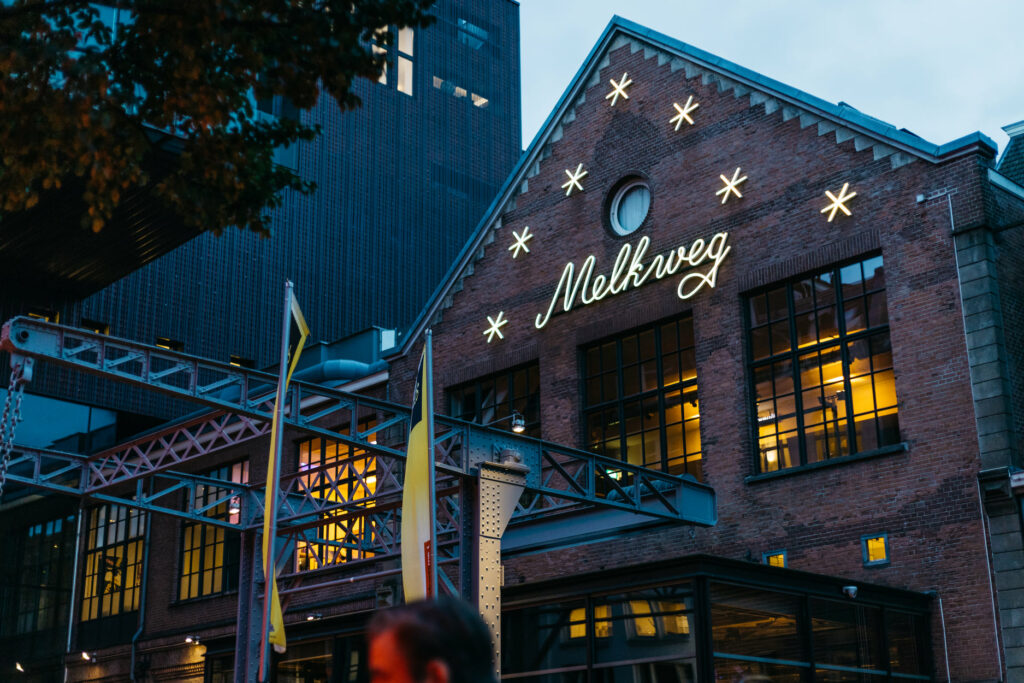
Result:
[{"x": 850, "y": 591}]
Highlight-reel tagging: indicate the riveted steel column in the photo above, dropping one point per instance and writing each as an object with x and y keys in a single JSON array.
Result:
[{"x": 501, "y": 484}]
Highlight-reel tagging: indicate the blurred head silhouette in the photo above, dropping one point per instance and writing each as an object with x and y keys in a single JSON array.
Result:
[{"x": 431, "y": 641}]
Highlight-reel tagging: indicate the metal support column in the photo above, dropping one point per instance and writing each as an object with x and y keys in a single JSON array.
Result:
[
  {"x": 500, "y": 486},
  {"x": 250, "y": 612}
]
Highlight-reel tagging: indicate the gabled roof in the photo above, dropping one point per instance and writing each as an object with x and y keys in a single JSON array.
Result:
[{"x": 845, "y": 122}]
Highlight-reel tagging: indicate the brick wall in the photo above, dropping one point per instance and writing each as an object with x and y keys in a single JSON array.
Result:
[{"x": 925, "y": 498}]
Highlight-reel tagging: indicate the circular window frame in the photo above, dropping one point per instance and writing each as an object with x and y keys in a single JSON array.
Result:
[{"x": 615, "y": 197}]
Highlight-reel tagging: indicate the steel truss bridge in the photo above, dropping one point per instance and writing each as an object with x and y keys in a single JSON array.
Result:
[{"x": 334, "y": 510}]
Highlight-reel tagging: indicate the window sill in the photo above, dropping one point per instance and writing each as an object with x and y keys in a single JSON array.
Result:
[
  {"x": 901, "y": 447},
  {"x": 203, "y": 598}
]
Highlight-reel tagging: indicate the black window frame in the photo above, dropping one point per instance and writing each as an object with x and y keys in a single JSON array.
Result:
[
  {"x": 210, "y": 536},
  {"x": 692, "y": 461},
  {"x": 527, "y": 404},
  {"x": 842, "y": 343}
]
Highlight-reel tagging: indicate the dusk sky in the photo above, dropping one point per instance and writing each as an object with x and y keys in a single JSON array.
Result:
[{"x": 941, "y": 69}]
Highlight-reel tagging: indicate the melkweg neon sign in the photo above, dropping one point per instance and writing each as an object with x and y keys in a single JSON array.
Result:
[{"x": 631, "y": 270}]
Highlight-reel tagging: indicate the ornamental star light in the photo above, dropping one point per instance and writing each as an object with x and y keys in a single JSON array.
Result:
[
  {"x": 520, "y": 242},
  {"x": 574, "y": 179},
  {"x": 684, "y": 112},
  {"x": 619, "y": 89},
  {"x": 731, "y": 186},
  {"x": 496, "y": 325},
  {"x": 838, "y": 203}
]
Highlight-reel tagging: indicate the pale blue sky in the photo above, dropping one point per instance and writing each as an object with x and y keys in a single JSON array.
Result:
[{"x": 941, "y": 69}]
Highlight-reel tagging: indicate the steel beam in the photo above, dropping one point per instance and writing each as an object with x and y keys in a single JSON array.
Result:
[{"x": 559, "y": 477}]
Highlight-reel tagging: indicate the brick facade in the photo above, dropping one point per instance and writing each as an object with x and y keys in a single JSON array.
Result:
[
  {"x": 951, "y": 243},
  {"x": 925, "y": 496}
]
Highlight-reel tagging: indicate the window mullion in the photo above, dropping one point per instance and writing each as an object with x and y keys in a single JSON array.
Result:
[
  {"x": 621, "y": 391},
  {"x": 660, "y": 391},
  {"x": 798, "y": 398},
  {"x": 844, "y": 358}
]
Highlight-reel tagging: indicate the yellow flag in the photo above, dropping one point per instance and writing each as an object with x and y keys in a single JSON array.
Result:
[
  {"x": 294, "y": 340},
  {"x": 417, "y": 495}
]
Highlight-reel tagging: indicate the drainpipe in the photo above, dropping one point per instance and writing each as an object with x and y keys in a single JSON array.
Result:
[
  {"x": 142, "y": 593},
  {"x": 74, "y": 585}
]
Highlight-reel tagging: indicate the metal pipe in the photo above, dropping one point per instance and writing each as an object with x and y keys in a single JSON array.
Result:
[
  {"x": 74, "y": 583},
  {"x": 142, "y": 592}
]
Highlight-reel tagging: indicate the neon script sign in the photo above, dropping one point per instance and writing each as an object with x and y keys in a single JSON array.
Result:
[{"x": 631, "y": 270}]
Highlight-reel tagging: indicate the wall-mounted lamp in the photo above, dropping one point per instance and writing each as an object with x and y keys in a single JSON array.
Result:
[
  {"x": 850, "y": 591},
  {"x": 235, "y": 506},
  {"x": 89, "y": 656},
  {"x": 314, "y": 616},
  {"x": 192, "y": 640},
  {"x": 518, "y": 422},
  {"x": 17, "y": 667}
]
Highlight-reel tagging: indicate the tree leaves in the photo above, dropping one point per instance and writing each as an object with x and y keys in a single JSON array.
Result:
[{"x": 80, "y": 99}]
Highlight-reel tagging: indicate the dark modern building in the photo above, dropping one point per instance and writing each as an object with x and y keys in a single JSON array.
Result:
[
  {"x": 402, "y": 181},
  {"x": 768, "y": 354}
]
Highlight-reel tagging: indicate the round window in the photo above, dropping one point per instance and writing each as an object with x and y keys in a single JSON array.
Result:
[{"x": 630, "y": 206}]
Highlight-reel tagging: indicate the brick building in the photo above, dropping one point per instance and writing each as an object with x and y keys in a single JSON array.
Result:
[
  {"x": 805, "y": 308},
  {"x": 693, "y": 270}
]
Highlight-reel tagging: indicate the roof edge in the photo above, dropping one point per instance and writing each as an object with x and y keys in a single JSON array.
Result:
[{"x": 842, "y": 114}]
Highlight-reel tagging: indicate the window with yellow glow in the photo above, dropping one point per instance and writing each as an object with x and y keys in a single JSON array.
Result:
[
  {"x": 876, "y": 549},
  {"x": 640, "y": 400},
  {"x": 602, "y": 622},
  {"x": 775, "y": 558},
  {"x": 113, "y": 561},
  {"x": 339, "y": 473},
  {"x": 821, "y": 367},
  {"x": 209, "y": 554}
]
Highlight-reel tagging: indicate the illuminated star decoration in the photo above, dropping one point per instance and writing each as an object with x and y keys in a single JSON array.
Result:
[
  {"x": 838, "y": 203},
  {"x": 496, "y": 325},
  {"x": 520, "y": 242},
  {"x": 731, "y": 186},
  {"x": 619, "y": 88},
  {"x": 684, "y": 112},
  {"x": 574, "y": 179}
]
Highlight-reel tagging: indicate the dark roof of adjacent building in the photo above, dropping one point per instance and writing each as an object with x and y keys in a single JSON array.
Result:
[
  {"x": 1011, "y": 164},
  {"x": 47, "y": 254}
]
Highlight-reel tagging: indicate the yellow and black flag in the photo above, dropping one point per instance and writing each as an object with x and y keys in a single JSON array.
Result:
[
  {"x": 294, "y": 335},
  {"x": 419, "y": 569}
]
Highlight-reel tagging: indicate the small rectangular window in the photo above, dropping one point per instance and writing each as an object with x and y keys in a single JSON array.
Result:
[
  {"x": 95, "y": 326},
  {"x": 44, "y": 314},
  {"x": 875, "y": 549},
  {"x": 774, "y": 558},
  {"x": 405, "y": 75},
  {"x": 405, "y": 40},
  {"x": 472, "y": 35},
  {"x": 170, "y": 344}
]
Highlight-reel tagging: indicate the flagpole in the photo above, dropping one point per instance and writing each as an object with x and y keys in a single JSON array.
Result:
[
  {"x": 428, "y": 398},
  {"x": 274, "y": 482}
]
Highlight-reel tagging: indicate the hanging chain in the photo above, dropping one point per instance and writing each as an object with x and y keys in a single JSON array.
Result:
[{"x": 20, "y": 374}]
